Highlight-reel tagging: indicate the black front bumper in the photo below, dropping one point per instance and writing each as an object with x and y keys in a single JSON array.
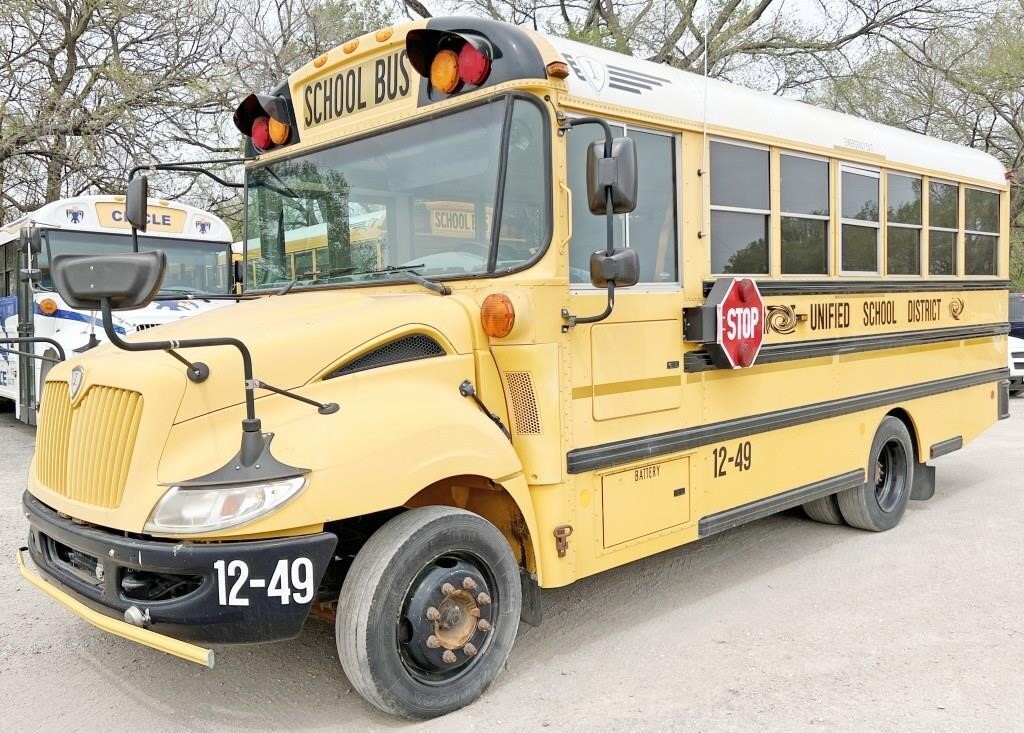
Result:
[{"x": 109, "y": 572}]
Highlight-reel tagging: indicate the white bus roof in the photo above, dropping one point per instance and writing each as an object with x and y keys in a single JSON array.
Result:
[
  {"x": 106, "y": 214},
  {"x": 614, "y": 78}
]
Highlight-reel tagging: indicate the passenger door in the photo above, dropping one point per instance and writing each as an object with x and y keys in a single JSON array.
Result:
[{"x": 634, "y": 355}]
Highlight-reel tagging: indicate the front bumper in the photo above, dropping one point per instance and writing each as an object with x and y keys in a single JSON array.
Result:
[{"x": 226, "y": 592}]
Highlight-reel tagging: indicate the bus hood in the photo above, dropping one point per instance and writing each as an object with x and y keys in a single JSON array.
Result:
[
  {"x": 293, "y": 339},
  {"x": 160, "y": 312}
]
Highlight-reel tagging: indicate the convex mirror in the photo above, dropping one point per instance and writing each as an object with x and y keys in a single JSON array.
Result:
[
  {"x": 136, "y": 207},
  {"x": 618, "y": 172},
  {"x": 621, "y": 267},
  {"x": 128, "y": 281}
]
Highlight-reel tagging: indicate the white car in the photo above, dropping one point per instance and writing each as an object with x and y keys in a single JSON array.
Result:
[{"x": 1016, "y": 343}]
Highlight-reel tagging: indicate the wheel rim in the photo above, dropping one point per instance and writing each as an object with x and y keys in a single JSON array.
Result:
[
  {"x": 890, "y": 475},
  {"x": 445, "y": 625}
]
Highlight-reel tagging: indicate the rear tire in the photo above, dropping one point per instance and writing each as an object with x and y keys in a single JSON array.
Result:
[
  {"x": 879, "y": 504},
  {"x": 428, "y": 612},
  {"x": 824, "y": 510}
]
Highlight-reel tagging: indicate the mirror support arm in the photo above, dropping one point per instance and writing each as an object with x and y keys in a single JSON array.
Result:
[
  {"x": 251, "y": 422},
  {"x": 570, "y": 321}
]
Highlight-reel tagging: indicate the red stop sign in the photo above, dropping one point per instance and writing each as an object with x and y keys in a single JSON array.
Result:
[{"x": 740, "y": 328}]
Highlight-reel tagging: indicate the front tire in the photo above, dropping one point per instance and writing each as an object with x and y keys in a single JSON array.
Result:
[
  {"x": 428, "y": 612},
  {"x": 879, "y": 504}
]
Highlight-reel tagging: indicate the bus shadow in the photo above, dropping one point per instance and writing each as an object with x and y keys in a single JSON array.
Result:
[{"x": 300, "y": 683}]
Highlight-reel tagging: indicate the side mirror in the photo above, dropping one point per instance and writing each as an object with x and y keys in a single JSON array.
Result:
[
  {"x": 136, "y": 207},
  {"x": 621, "y": 267},
  {"x": 31, "y": 240},
  {"x": 618, "y": 172},
  {"x": 128, "y": 281}
]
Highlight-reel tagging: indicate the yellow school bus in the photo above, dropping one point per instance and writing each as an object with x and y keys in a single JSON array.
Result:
[{"x": 657, "y": 307}]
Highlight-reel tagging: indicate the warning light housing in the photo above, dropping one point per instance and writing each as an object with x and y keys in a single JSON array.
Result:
[
  {"x": 451, "y": 61},
  {"x": 266, "y": 120}
]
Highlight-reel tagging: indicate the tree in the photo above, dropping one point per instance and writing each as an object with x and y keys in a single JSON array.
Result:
[
  {"x": 278, "y": 37},
  {"x": 768, "y": 44},
  {"x": 89, "y": 87},
  {"x": 960, "y": 84}
]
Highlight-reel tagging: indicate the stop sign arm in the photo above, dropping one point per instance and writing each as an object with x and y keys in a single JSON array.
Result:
[
  {"x": 700, "y": 323},
  {"x": 729, "y": 324}
]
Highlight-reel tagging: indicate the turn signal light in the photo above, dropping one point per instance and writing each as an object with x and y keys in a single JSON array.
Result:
[
  {"x": 47, "y": 306},
  {"x": 497, "y": 316}
]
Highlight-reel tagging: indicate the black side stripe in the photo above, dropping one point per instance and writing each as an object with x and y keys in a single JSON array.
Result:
[
  {"x": 944, "y": 447},
  {"x": 780, "y": 502},
  {"x": 837, "y": 287},
  {"x": 700, "y": 360},
  {"x": 619, "y": 452}
]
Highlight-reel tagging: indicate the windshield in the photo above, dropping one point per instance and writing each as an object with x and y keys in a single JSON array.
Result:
[
  {"x": 193, "y": 268},
  {"x": 421, "y": 198}
]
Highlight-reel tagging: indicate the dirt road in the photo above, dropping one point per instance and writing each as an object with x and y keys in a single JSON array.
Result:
[{"x": 783, "y": 625}]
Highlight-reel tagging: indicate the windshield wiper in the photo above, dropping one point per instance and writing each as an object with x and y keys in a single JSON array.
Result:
[
  {"x": 410, "y": 274},
  {"x": 181, "y": 289}
]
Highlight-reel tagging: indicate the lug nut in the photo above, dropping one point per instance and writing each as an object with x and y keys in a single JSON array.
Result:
[
  {"x": 433, "y": 642},
  {"x": 447, "y": 589},
  {"x": 483, "y": 599},
  {"x": 469, "y": 650},
  {"x": 433, "y": 614},
  {"x": 468, "y": 583},
  {"x": 448, "y": 657},
  {"x": 474, "y": 612},
  {"x": 483, "y": 624}
]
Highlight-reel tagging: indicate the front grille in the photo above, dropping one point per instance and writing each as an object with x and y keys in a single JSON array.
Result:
[
  {"x": 79, "y": 564},
  {"x": 84, "y": 452},
  {"x": 1017, "y": 354},
  {"x": 145, "y": 326}
]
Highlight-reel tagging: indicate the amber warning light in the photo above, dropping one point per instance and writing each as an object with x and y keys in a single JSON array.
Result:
[{"x": 452, "y": 62}]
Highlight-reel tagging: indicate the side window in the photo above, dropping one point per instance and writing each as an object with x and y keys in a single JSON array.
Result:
[
  {"x": 860, "y": 227},
  {"x": 524, "y": 205},
  {"x": 740, "y": 206},
  {"x": 651, "y": 228},
  {"x": 805, "y": 215},
  {"x": 943, "y": 227},
  {"x": 903, "y": 225},
  {"x": 981, "y": 227}
]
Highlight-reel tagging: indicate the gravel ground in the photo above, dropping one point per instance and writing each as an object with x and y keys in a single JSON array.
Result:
[{"x": 782, "y": 624}]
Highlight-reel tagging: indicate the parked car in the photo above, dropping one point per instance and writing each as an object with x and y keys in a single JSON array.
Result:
[{"x": 1016, "y": 343}]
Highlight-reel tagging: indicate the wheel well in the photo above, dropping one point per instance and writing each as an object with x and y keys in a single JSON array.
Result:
[
  {"x": 474, "y": 493},
  {"x": 491, "y": 501},
  {"x": 903, "y": 416}
]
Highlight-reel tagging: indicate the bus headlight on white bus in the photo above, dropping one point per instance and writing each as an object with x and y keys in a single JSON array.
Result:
[{"x": 198, "y": 510}]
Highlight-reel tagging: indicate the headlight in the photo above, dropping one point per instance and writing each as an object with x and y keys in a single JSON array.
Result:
[{"x": 197, "y": 510}]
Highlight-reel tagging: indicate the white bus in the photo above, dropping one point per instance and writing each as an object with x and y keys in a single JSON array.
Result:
[{"x": 37, "y": 328}]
